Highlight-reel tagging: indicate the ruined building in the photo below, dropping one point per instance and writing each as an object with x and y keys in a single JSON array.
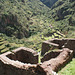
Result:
[{"x": 24, "y": 61}]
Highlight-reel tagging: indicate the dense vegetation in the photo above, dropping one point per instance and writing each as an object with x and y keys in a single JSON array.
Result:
[
  {"x": 30, "y": 22},
  {"x": 22, "y": 18},
  {"x": 63, "y": 12}
]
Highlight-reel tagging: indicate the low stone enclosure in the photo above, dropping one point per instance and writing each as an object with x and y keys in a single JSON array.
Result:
[
  {"x": 58, "y": 44},
  {"x": 24, "y": 61}
]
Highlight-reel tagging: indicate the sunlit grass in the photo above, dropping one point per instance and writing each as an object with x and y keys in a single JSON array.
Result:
[{"x": 69, "y": 69}]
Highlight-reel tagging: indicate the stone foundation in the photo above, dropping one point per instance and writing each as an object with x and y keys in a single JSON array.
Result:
[
  {"x": 21, "y": 61},
  {"x": 50, "y": 55},
  {"x": 55, "y": 64},
  {"x": 24, "y": 61}
]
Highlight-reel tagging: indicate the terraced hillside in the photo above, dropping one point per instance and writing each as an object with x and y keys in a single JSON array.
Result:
[
  {"x": 34, "y": 42},
  {"x": 3, "y": 44},
  {"x": 6, "y": 46}
]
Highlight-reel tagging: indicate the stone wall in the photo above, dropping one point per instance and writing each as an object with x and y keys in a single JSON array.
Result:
[
  {"x": 58, "y": 43},
  {"x": 50, "y": 55},
  {"x": 24, "y": 61},
  {"x": 21, "y": 61},
  {"x": 24, "y": 55},
  {"x": 47, "y": 45},
  {"x": 55, "y": 64}
]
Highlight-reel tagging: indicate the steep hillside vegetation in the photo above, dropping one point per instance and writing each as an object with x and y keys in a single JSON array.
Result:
[
  {"x": 33, "y": 22},
  {"x": 63, "y": 14},
  {"x": 22, "y": 18},
  {"x": 64, "y": 9}
]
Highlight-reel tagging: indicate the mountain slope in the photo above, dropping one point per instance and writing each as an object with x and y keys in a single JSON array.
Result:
[
  {"x": 63, "y": 14},
  {"x": 63, "y": 8},
  {"x": 21, "y": 17}
]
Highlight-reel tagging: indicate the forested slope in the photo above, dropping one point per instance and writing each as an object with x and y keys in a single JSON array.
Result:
[
  {"x": 32, "y": 22},
  {"x": 63, "y": 14},
  {"x": 22, "y": 18}
]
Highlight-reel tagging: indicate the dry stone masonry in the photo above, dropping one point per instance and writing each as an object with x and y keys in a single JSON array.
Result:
[
  {"x": 24, "y": 61},
  {"x": 21, "y": 61},
  {"x": 55, "y": 64},
  {"x": 58, "y": 44}
]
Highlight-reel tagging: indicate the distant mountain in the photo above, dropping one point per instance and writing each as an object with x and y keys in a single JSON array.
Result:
[{"x": 49, "y": 3}]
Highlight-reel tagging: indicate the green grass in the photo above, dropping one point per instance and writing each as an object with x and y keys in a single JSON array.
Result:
[
  {"x": 2, "y": 47},
  {"x": 69, "y": 69},
  {"x": 5, "y": 45},
  {"x": 4, "y": 50}
]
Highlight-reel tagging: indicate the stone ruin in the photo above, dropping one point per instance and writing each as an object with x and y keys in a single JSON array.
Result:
[
  {"x": 21, "y": 61},
  {"x": 24, "y": 61},
  {"x": 58, "y": 44}
]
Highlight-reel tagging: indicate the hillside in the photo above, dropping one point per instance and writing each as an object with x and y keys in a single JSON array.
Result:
[
  {"x": 26, "y": 20},
  {"x": 32, "y": 22},
  {"x": 22, "y": 18},
  {"x": 49, "y": 3},
  {"x": 27, "y": 23},
  {"x": 63, "y": 14}
]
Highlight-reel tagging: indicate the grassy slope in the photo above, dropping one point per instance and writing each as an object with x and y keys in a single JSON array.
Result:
[
  {"x": 5, "y": 45},
  {"x": 69, "y": 69}
]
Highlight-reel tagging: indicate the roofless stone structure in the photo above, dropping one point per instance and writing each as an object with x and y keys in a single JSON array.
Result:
[
  {"x": 24, "y": 61},
  {"x": 58, "y": 44}
]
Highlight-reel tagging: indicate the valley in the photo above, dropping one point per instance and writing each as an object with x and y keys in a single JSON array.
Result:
[{"x": 27, "y": 23}]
